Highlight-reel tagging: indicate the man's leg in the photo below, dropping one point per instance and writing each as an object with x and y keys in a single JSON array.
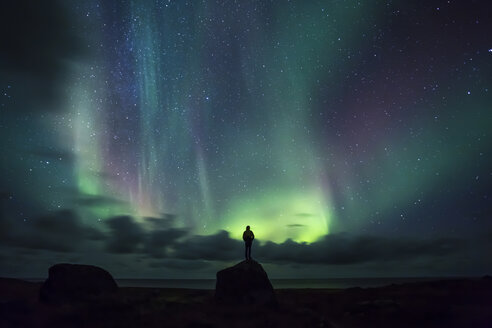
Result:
[
  {"x": 246, "y": 251},
  {"x": 249, "y": 251}
]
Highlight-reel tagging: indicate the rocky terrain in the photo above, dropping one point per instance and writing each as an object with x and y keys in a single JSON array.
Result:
[{"x": 448, "y": 303}]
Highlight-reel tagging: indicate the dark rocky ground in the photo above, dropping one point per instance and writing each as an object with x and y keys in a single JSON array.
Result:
[{"x": 449, "y": 303}]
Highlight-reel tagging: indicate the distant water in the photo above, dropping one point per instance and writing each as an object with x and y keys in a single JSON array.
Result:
[{"x": 277, "y": 283}]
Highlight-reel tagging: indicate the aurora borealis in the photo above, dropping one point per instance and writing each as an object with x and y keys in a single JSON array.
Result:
[
  {"x": 172, "y": 143},
  {"x": 156, "y": 125}
]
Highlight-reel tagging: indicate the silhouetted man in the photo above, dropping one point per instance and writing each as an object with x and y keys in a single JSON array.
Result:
[{"x": 248, "y": 237}]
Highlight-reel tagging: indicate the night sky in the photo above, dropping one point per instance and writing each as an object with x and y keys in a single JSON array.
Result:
[{"x": 354, "y": 137}]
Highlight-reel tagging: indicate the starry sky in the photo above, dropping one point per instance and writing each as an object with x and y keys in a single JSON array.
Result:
[{"x": 143, "y": 136}]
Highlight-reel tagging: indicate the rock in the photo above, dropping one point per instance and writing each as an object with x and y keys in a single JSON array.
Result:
[
  {"x": 76, "y": 282},
  {"x": 244, "y": 283}
]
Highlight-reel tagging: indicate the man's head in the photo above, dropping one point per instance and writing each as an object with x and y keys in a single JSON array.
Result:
[{"x": 247, "y": 227}]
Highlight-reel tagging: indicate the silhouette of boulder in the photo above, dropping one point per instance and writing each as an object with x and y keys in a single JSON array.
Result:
[
  {"x": 76, "y": 282},
  {"x": 244, "y": 283}
]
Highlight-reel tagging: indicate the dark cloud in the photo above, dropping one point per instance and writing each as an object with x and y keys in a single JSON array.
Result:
[
  {"x": 125, "y": 236},
  {"x": 213, "y": 247},
  {"x": 84, "y": 199},
  {"x": 97, "y": 200},
  {"x": 341, "y": 249},
  {"x": 166, "y": 221},
  {"x": 180, "y": 264},
  {"x": 334, "y": 249},
  {"x": 165, "y": 246},
  {"x": 38, "y": 41},
  {"x": 60, "y": 231},
  {"x": 95, "y": 234},
  {"x": 295, "y": 225},
  {"x": 154, "y": 237},
  {"x": 157, "y": 242}
]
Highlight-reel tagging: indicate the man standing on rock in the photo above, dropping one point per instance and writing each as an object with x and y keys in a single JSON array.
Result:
[{"x": 248, "y": 237}]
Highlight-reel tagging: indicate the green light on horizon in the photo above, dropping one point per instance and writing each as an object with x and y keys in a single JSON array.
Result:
[{"x": 302, "y": 217}]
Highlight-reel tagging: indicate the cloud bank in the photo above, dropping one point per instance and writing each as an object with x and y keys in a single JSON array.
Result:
[{"x": 154, "y": 238}]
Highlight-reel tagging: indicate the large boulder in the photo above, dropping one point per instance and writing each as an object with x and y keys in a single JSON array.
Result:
[
  {"x": 244, "y": 283},
  {"x": 76, "y": 282}
]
